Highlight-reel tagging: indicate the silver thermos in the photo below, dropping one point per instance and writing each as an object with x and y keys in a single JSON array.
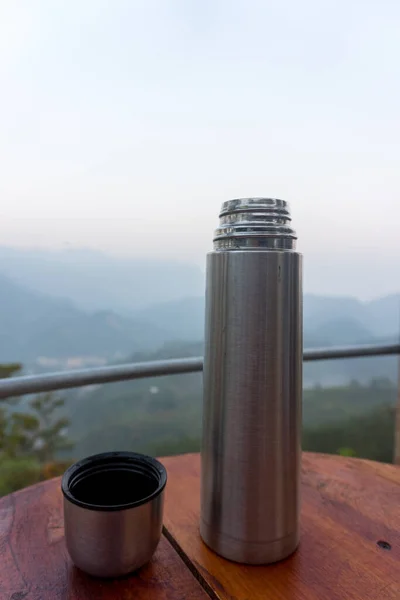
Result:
[{"x": 251, "y": 446}]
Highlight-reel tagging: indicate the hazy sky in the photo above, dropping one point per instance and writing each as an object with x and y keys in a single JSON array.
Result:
[{"x": 124, "y": 124}]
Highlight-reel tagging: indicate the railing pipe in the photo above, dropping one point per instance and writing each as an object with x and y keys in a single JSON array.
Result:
[{"x": 32, "y": 384}]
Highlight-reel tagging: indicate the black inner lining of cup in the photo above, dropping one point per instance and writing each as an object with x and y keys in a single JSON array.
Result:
[
  {"x": 114, "y": 481},
  {"x": 113, "y": 487}
]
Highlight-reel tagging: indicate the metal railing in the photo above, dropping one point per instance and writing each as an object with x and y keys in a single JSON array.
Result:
[{"x": 29, "y": 384}]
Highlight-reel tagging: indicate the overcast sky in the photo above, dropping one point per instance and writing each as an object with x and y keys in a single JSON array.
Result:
[{"x": 124, "y": 124}]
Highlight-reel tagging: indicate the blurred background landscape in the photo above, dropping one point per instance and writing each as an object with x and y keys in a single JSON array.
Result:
[
  {"x": 123, "y": 127},
  {"x": 61, "y": 313}
]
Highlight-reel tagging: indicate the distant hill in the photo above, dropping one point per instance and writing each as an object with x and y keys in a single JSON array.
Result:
[
  {"x": 138, "y": 306},
  {"x": 97, "y": 281},
  {"x": 380, "y": 317},
  {"x": 170, "y": 295},
  {"x": 34, "y": 325},
  {"x": 37, "y": 326},
  {"x": 328, "y": 321},
  {"x": 183, "y": 319}
]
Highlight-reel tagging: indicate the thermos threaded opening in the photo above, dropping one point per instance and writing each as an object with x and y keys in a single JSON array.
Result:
[{"x": 255, "y": 224}]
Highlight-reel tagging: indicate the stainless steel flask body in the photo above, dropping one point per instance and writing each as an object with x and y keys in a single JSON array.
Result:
[{"x": 251, "y": 447}]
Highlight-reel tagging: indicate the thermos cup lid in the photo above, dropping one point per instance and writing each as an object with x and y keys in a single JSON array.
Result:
[
  {"x": 113, "y": 481},
  {"x": 113, "y": 512}
]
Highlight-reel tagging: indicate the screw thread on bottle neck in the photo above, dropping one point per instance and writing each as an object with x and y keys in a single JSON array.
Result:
[{"x": 255, "y": 224}]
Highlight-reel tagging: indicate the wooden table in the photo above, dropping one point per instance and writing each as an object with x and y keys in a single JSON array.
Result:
[{"x": 350, "y": 546}]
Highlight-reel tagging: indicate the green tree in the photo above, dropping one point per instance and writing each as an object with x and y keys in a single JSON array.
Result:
[
  {"x": 346, "y": 452},
  {"x": 16, "y": 473},
  {"x": 370, "y": 435},
  {"x": 50, "y": 431},
  {"x": 8, "y": 370},
  {"x": 30, "y": 440}
]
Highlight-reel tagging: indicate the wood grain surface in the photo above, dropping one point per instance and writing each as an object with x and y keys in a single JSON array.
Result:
[
  {"x": 34, "y": 564},
  {"x": 350, "y": 544}
]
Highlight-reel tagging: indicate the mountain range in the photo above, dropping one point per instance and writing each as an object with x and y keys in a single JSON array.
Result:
[
  {"x": 34, "y": 325},
  {"x": 72, "y": 309},
  {"x": 96, "y": 281},
  {"x": 59, "y": 321}
]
